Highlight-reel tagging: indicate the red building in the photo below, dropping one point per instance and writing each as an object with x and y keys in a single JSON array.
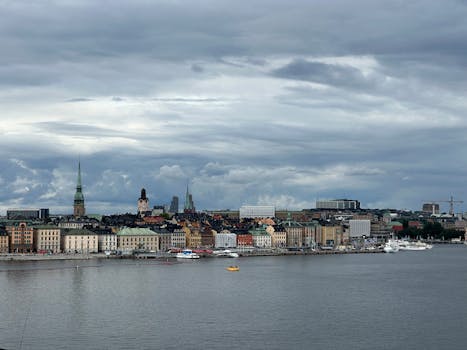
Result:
[{"x": 245, "y": 240}]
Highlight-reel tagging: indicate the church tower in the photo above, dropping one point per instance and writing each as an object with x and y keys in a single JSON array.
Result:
[
  {"x": 189, "y": 207},
  {"x": 78, "y": 206},
  {"x": 143, "y": 203}
]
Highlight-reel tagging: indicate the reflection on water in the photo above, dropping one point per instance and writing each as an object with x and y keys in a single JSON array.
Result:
[{"x": 319, "y": 302}]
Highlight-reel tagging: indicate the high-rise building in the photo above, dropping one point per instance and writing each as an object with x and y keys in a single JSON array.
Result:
[
  {"x": 432, "y": 208},
  {"x": 78, "y": 205},
  {"x": 174, "y": 205}
]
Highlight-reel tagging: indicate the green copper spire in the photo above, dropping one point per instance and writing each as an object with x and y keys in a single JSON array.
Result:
[{"x": 79, "y": 189}]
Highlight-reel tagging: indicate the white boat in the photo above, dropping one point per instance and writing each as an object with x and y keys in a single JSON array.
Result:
[
  {"x": 226, "y": 253},
  {"x": 187, "y": 254},
  {"x": 391, "y": 246},
  {"x": 413, "y": 246}
]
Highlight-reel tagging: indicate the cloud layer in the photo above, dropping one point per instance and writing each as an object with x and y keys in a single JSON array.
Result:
[{"x": 274, "y": 102}]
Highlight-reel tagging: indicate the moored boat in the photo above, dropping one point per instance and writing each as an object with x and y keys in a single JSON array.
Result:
[
  {"x": 187, "y": 254},
  {"x": 391, "y": 246}
]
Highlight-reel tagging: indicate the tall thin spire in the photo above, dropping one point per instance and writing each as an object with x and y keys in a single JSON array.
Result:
[
  {"x": 78, "y": 205},
  {"x": 187, "y": 198}
]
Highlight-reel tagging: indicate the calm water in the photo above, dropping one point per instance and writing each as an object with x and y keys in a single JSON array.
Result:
[{"x": 408, "y": 300}]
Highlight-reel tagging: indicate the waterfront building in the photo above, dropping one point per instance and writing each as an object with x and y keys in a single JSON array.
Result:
[
  {"x": 311, "y": 230},
  {"x": 261, "y": 238},
  {"x": 143, "y": 203},
  {"x": 193, "y": 237},
  {"x": 165, "y": 239},
  {"x": 257, "y": 211},
  {"x": 106, "y": 240},
  {"x": 244, "y": 240},
  {"x": 21, "y": 238},
  {"x": 174, "y": 205},
  {"x": 78, "y": 204},
  {"x": 27, "y": 214},
  {"x": 4, "y": 241},
  {"x": 278, "y": 236},
  {"x": 81, "y": 241},
  {"x": 46, "y": 238},
  {"x": 359, "y": 228},
  {"x": 294, "y": 232},
  {"x": 339, "y": 204},
  {"x": 129, "y": 239},
  {"x": 178, "y": 238},
  {"x": 226, "y": 239},
  {"x": 331, "y": 235},
  {"x": 207, "y": 237}
]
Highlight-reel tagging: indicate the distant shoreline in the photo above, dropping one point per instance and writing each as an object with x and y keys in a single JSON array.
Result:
[{"x": 45, "y": 257}]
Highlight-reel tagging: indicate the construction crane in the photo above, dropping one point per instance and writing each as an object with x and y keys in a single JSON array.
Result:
[{"x": 451, "y": 204}]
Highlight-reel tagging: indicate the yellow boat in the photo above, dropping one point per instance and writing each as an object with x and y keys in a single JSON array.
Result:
[{"x": 233, "y": 268}]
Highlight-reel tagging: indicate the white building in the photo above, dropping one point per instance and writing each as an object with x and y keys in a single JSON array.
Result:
[
  {"x": 226, "y": 240},
  {"x": 178, "y": 238},
  {"x": 257, "y": 211},
  {"x": 80, "y": 241},
  {"x": 360, "y": 228},
  {"x": 107, "y": 242}
]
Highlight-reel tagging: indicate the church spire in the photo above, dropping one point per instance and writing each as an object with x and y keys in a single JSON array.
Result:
[{"x": 78, "y": 205}]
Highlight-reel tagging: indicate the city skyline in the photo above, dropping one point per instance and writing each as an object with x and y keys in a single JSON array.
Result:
[{"x": 272, "y": 104}]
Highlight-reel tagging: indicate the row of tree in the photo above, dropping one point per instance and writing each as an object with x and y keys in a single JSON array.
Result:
[{"x": 430, "y": 230}]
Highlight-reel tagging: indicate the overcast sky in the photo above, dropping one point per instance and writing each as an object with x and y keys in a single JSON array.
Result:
[{"x": 249, "y": 102}]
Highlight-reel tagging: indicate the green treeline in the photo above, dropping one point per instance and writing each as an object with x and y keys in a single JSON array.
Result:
[{"x": 430, "y": 230}]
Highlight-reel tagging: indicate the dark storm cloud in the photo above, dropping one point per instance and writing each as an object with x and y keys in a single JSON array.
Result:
[
  {"x": 322, "y": 73},
  {"x": 223, "y": 95}
]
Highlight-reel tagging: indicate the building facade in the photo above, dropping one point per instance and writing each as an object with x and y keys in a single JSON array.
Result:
[
  {"x": 178, "y": 239},
  {"x": 4, "y": 241},
  {"x": 359, "y": 228},
  {"x": 47, "y": 239},
  {"x": 21, "y": 238},
  {"x": 80, "y": 241},
  {"x": 340, "y": 204},
  {"x": 226, "y": 239},
  {"x": 257, "y": 211},
  {"x": 129, "y": 239}
]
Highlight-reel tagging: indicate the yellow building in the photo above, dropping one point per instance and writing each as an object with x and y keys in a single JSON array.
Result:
[
  {"x": 80, "y": 241},
  {"x": 129, "y": 239},
  {"x": 278, "y": 236},
  {"x": 46, "y": 238},
  {"x": 193, "y": 237},
  {"x": 331, "y": 236}
]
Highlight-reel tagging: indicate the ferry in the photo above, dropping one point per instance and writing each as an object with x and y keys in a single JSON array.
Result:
[{"x": 187, "y": 254}]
